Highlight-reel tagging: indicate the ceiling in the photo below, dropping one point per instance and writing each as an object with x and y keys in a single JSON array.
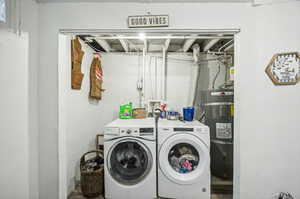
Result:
[
  {"x": 142, "y": 1},
  {"x": 156, "y": 42}
]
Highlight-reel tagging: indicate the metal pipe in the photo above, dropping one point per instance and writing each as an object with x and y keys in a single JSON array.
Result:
[
  {"x": 139, "y": 83},
  {"x": 144, "y": 74},
  {"x": 150, "y": 77},
  {"x": 133, "y": 53},
  {"x": 216, "y": 59},
  {"x": 225, "y": 45},
  {"x": 164, "y": 74},
  {"x": 190, "y": 60},
  {"x": 229, "y": 47},
  {"x": 161, "y": 79},
  {"x": 210, "y": 44},
  {"x": 155, "y": 81}
]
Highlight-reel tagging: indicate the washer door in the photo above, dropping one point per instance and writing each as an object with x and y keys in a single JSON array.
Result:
[
  {"x": 129, "y": 161},
  {"x": 183, "y": 158}
]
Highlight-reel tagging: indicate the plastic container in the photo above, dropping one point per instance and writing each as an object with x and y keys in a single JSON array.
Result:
[
  {"x": 172, "y": 115},
  {"x": 125, "y": 111},
  {"x": 188, "y": 113},
  {"x": 139, "y": 113}
]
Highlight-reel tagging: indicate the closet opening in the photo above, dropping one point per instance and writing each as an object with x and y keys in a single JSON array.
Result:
[{"x": 146, "y": 67}]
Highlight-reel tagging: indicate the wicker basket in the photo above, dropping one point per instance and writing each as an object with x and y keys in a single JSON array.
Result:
[{"x": 92, "y": 182}]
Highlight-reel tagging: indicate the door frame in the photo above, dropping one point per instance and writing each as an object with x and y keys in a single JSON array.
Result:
[{"x": 62, "y": 156}]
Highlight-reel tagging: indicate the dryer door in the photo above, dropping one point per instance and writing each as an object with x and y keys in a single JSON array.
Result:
[
  {"x": 129, "y": 161},
  {"x": 184, "y": 158}
]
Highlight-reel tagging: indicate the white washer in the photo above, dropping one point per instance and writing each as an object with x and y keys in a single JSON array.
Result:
[
  {"x": 130, "y": 159},
  {"x": 184, "y": 160}
]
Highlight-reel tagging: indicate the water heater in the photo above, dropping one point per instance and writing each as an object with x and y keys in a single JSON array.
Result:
[{"x": 219, "y": 113}]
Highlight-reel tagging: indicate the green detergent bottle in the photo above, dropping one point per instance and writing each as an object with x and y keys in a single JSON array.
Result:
[{"x": 125, "y": 111}]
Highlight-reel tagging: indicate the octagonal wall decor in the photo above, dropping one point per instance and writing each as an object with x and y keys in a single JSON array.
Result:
[{"x": 284, "y": 68}]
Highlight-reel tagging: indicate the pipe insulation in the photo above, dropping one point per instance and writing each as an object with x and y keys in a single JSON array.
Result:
[
  {"x": 197, "y": 86},
  {"x": 161, "y": 79},
  {"x": 150, "y": 77},
  {"x": 139, "y": 83}
]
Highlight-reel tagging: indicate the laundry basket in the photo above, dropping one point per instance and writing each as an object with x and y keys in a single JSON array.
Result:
[{"x": 92, "y": 174}]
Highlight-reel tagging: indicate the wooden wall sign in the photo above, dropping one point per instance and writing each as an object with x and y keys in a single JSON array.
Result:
[
  {"x": 148, "y": 21},
  {"x": 284, "y": 68}
]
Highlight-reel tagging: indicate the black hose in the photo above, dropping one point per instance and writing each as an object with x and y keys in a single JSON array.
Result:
[
  {"x": 217, "y": 74},
  {"x": 202, "y": 116},
  {"x": 157, "y": 113}
]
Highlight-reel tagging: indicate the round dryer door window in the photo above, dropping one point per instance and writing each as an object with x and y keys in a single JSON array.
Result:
[
  {"x": 129, "y": 161},
  {"x": 184, "y": 158}
]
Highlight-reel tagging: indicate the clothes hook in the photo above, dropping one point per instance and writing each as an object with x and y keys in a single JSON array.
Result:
[{"x": 97, "y": 54}]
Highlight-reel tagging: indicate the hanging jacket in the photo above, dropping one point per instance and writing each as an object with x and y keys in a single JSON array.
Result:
[
  {"x": 96, "y": 78},
  {"x": 76, "y": 56}
]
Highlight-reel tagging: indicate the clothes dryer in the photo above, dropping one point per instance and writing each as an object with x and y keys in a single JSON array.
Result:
[{"x": 183, "y": 159}]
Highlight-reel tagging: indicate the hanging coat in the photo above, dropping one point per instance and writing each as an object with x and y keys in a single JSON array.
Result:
[
  {"x": 96, "y": 78},
  {"x": 76, "y": 56}
]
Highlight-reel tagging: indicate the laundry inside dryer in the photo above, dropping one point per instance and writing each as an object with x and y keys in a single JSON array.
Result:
[{"x": 183, "y": 158}]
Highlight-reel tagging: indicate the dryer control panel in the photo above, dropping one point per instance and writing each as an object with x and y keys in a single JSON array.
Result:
[{"x": 183, "y": 129}]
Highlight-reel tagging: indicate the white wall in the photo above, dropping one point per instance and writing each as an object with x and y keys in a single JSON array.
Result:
[
  {"x": 265, "y": 30},
  {"x": 14, "y": 140},
  {"x": 29, "y": 24},
  {"x": 269, "y": 123},
  {"x": 85, "y": 118},
  {"x": 56, "y": 16},
  {"x": 28, "y": 81}
]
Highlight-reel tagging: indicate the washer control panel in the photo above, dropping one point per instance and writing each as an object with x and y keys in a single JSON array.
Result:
[
  {"x": 129, "y": 131},
  {"x": 111, "y": 132}
]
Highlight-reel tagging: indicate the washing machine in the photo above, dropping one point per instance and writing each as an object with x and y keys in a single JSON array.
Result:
[
  {"x": 183, "y": 159},
  {"x": 130, "y": 159}
]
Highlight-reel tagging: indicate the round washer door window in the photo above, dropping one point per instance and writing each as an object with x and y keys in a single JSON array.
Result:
[
  {"x": 129, "y": 161},
  {"x": 184, "y": 158}
]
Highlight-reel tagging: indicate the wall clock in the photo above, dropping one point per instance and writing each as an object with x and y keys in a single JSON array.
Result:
[{"x": 284, "y": 68}]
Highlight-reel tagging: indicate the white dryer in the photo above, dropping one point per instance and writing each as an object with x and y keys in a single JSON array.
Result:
[
  {"x": 130, "y": 159},
  {"x": 184, "y": 160}
]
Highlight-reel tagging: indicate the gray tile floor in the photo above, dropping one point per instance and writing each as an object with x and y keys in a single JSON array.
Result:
[
  {"x": 76, "y": 194},
  {"x": 220, "y": 196}
]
